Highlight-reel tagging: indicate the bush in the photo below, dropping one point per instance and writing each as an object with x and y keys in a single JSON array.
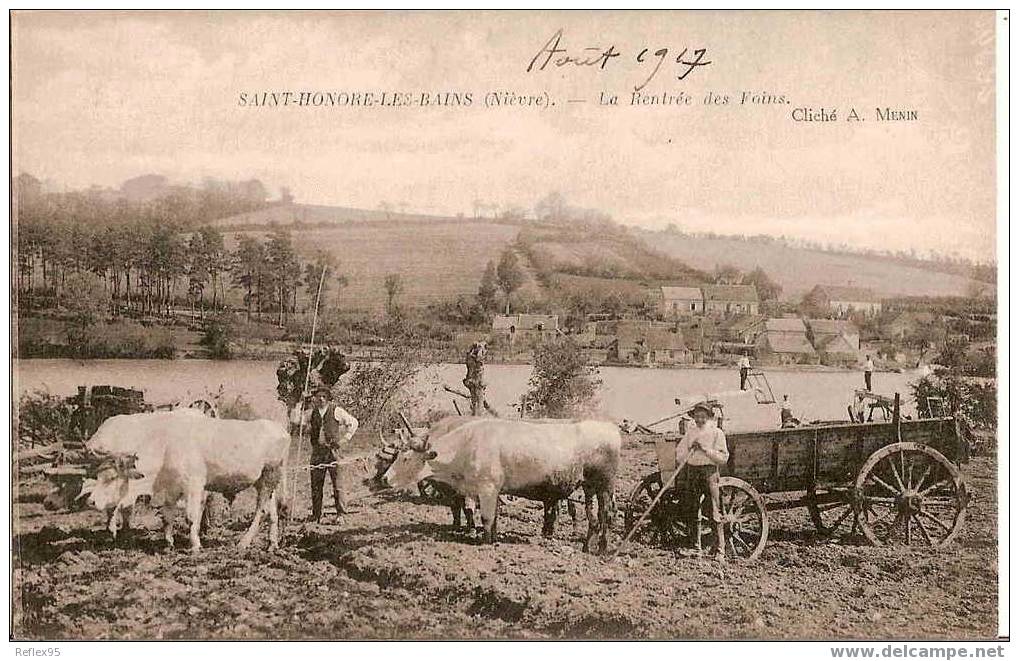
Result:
[
  {"x": 42, "y": 418},
  {"x": 562, "y": 384},
  {"x": 376, "y": 392},
  {"x": 232, "y": 407},
  {"x": 218, "y": 333},
  {"x": 974, "y": 404}
]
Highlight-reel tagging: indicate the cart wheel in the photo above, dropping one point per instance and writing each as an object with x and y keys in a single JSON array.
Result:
[
  {"x": 832, "y": 512},
  {"x": 744, "y": 517},
  {"x": 910, "y": 494},
  {"x": 429, "y": 491},
  {"x": 665, "y": 525}
]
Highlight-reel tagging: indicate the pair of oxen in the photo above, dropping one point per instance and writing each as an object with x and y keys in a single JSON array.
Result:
[{"x": 179, "y": 457}]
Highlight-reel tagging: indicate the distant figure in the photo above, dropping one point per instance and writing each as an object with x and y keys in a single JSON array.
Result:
[
  {"x": 475, "y": 379},
  {"x": 856, "y": 410},
  {"x": 868, "y": 373},
  {"x": 744, "y": 371},
  {"x": 786, "y": 413},
  {"x": 625, "y": 426}
]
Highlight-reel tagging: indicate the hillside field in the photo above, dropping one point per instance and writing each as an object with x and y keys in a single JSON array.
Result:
[
  {"x": 437, "y": 261},
  {"x": 798, "y": 270}
]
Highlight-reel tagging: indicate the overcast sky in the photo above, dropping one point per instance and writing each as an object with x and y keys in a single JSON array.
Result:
[{"x": 101, "y": 97}]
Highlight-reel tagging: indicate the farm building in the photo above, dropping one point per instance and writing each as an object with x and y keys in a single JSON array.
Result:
[
  {"x": 680, "y": 301},
  {"x": 724, "y": 300},
  {"x": 784, "y": 341},
  {"x": 844, "y": 300},
  {"x": 526, "y": 326},
  {"x": 824, "y": 330},
  {"x": 836, "y": 350},
  {"x": 648, "y": 343},
  {"x": 907, "y": 323}
]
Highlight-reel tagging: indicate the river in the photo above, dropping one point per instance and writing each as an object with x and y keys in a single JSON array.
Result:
[{"x": 639, "y": 394}]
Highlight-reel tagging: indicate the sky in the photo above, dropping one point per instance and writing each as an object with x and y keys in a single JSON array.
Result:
[{"x": 99, "y": 97}]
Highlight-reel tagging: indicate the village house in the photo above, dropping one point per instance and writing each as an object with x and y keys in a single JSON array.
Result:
[
  {"x": 530, "y": 327},
  {"x": 724, "y": 300},
  {"x": 680, "y": 302},
  {"x": 907, "y": 323},
  {"x": 823, "y": 330},
  {"x": 784, "y": 342},
  {"x": 842, "y": 301},
  {"x": 649, "y": 343}
]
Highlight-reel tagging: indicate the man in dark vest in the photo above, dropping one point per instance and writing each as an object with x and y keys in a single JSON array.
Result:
[
  {"x": 331, "y": 427},
  {"x": 475, "y": 379}
]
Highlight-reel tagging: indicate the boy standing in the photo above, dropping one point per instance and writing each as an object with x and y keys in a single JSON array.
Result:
[{"x": 707, "y": 451}]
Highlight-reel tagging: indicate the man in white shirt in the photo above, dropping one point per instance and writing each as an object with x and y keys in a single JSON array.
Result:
[
  {"x": 868, "y": 373},
  {"x": 744, "y": 371},
  {"x": 331, "y": 428},
  {"x": 707, "y": 450}
]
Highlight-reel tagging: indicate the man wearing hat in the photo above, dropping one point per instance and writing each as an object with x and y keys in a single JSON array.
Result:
[
  {"x": 331, "y": 427},
  {"x": 707, "y": 449}
]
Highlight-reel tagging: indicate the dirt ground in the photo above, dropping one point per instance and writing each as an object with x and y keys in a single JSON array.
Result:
[{"x": 394, "y": 568}]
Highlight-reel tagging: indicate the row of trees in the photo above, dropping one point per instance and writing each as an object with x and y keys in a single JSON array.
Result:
[{"x": 149, "y": 255}]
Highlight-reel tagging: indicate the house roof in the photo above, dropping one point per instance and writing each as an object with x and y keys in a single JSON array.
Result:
[
  {"x": 661, "y": 338},
  {"x": 790, "y": 343},
  {"x": 835, "y": 344},
  {"x": 832, "y": 327},
  {"x": 682, "y": 293},
  {"x": 740, "y": 293},
  {"x": 743, "y": 322},
  {"x": 785, "y": 325},
  {"x": 854, "y": 294},
  {"x": 525, "y": 321}
]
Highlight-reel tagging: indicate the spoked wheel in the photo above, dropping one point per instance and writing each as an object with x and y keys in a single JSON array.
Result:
[
  {"x": 832, "y": 512},
  {"x": 665, "y": 526},
  {"x": 744, "y": 519},
  {"x": 910, "y": 494}
]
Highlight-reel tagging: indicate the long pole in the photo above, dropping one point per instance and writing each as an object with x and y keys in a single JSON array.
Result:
[
  {"x": 307, "y": 379},
  {"x": 658, "y": 496}
]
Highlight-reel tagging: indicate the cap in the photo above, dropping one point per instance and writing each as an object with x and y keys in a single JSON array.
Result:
[{"x": 703, "y": 407}]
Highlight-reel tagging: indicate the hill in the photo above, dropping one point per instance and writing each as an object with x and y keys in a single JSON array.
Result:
[
  {"x": 438, "y": 261},
  {"x": 799, "y": 269},
  {"x": 318, "y": 214}
]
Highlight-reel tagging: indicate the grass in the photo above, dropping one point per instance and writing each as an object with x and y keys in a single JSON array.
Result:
[
  {"x": 798, "y": 269},
  {"x": 438, "y": 261}
]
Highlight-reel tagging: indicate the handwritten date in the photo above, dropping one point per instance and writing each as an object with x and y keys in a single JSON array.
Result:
[{"x": 554, "y": 53}]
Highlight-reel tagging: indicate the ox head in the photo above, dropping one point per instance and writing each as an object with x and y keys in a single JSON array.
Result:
[
  {"x": 409, "y": 467},
  {"x": 113, "y": 475},
  {"x": 97, "y": 483}
]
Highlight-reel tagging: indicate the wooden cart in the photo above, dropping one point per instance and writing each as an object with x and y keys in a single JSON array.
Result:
[{"x": 895, "y": 482}]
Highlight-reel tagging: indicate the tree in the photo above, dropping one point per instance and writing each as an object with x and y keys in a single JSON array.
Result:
[
  {"x": 284, "y": 271},
  {"x": 87, "y": 300},
  {"x": 509, "y": 274},
  {"x": 561, "y": 384},
  {"x": 322, "y": 262},
  {"x": 727, "y": 274},
  {"x": 217, "y": 259},
  {"x": 551, "y": 208},
  {"x": 489, "y": 288},
  {"x": 767, "y": 289},
  {"x": 394, "y": 288},
  {"x": 197, "y": 270},
  {"x": 248, "y": 267}
]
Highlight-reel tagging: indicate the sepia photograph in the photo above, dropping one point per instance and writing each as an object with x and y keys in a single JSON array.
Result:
[{"x": 508, "y": 325}]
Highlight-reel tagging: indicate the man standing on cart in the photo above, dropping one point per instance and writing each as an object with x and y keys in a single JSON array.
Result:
[{"x": 705, "y": 449}]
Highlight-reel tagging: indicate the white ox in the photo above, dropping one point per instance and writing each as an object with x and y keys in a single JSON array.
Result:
[
  {"x": 535, "y": 460},
  {"x": 178, "y": 456}
]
